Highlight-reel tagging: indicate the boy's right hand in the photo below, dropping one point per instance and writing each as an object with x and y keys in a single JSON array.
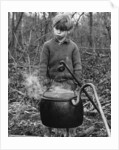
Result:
[{"x": 46, "y": 82}]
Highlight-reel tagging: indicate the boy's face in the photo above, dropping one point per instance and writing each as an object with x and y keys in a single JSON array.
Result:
[{"x": 60, "y": 34}]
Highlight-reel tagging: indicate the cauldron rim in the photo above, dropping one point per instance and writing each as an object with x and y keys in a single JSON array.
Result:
[
  {"x": 52, "y": 96},
  {"x": 57, "y": 99}
]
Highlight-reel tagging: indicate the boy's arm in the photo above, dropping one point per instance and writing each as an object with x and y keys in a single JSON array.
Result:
[
  {"x": 44, "y": 63},
  {"x": 77, "y": 64}
]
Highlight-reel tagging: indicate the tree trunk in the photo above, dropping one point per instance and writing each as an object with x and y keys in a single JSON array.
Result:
[
  {"x": 11, "y": 43},
  {"x": 107, "y": 23},
  {"x": 90, "y": 29},
  {"x": 14, "y": 28},
  {"x": 19, "y": 32}
]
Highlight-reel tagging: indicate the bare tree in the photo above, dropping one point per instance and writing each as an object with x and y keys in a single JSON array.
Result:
[
  {"x": 91, "y": 29},
  {"x": 16, "y": 19}
]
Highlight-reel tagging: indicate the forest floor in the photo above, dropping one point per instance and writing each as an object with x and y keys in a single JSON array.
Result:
[{"x": 27, "y": 122}]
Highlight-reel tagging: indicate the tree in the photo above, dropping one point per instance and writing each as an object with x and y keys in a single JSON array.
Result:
[
  {"x": 90, "y": 29},
  {"x": 16, "y": 20}
]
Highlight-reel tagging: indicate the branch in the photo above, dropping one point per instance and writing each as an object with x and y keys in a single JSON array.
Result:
[
  {"x": 14, "y": 29},
  {"x": 18, "y": 22},
  {"x": 27, "y": 52},
  {"x": 21, "y": 93},
  {"x": 42, "y": 37},
  {"x": 79, "y": 19},
  {"x": 17, "y": 41},
  {"x": 12, "y": 57},
  {"x": 73, "y": 14}
]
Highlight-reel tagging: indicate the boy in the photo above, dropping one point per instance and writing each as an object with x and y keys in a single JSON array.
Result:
[{"x": 59, "y": 48}]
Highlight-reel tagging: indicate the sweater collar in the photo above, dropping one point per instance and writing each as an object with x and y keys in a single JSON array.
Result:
[{"x": 66, "y": 41}]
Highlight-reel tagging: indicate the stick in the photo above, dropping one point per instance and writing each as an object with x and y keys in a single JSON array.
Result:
[
  {"x": 100, "y": 108},
  {"x": 87, "y": 132},
  {"x": 19, "y": 92}
]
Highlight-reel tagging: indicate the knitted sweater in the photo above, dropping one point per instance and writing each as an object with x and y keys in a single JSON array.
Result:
[{"x": 53, "y": 53}]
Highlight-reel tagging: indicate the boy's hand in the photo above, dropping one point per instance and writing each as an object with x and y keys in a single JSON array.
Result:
[{"x": 46, "y": 82}]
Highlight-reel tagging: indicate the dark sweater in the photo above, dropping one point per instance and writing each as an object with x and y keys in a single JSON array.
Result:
[{"x": 53, "y": 53}]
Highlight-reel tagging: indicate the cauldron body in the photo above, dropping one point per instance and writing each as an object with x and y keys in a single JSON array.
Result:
[{"x": 60, "y": 113}]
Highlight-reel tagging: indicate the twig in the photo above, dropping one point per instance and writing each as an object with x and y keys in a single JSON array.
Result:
[
  {"x": 106, "y": 105},
  {"x": 87, "y": 119},
  {"x": 15, "y": 90},
  {"x": 42, "y": 36},
  {"x": 90, "y": 53},
  {"x": 28, "y": 54},
  {"x": 90, "y": 113},
  {"x": 29, "y": 64},
  {"x": 73, "y": 14},
  {"x": 108, "y": 102},
  {"x": 86, "y": 104},
  {"x": 12, "y": 57},
  {"x": 17, "y": 41},
  {"x": 19, "y": 46},
  {"x": 20, "y": 18},
  {"x": 36, "y": 54},
  {"x": 79, "y": 19}
]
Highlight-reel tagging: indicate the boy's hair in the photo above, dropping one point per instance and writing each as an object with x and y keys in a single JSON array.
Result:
[{"x": 62, "y": 22}]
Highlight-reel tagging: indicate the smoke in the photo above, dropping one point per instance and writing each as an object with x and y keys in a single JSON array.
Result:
[
  {"x": 33, "y": 86},
  {"x": 59, "y": 89}
]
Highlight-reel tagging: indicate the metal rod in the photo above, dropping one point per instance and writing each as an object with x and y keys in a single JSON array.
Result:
[{"x": 99, "y": 105}]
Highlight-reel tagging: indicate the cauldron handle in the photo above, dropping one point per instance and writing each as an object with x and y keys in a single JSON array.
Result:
[{"x": 76, "y": 100}]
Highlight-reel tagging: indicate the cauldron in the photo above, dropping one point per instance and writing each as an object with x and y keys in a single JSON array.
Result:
[{"x": 62, "y": 111}]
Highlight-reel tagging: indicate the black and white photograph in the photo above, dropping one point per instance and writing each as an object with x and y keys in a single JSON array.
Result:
[
  {"x": 57, "y": 63},
  {"x": 59, "y": 75}
]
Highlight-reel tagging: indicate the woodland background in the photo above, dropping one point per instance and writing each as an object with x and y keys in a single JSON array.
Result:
[{"x": 27, "y": 32}]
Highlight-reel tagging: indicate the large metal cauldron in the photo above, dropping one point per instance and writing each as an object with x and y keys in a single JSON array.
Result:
[{"x": 61, "y": 111}]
